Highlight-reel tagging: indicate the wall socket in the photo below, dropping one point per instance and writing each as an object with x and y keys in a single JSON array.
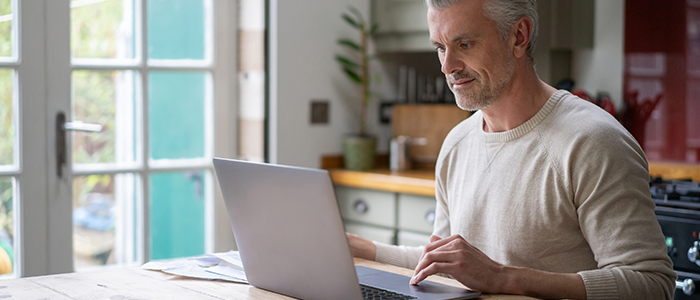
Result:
[{"x": 320, "y": 109}]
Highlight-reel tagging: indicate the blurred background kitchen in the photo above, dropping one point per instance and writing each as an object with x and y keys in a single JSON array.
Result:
[{"x": 111, "y": 110}]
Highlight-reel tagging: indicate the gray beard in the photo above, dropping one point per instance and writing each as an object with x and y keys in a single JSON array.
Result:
[{"x": 483, "y": 96}]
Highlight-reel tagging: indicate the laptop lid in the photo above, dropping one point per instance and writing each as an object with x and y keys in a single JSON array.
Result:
[
  {"x": 291, "y": 236},
  {"x": 288, "y": 229}
]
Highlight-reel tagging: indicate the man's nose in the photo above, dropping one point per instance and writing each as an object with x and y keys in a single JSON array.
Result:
[{"x": 451, "y": 63}]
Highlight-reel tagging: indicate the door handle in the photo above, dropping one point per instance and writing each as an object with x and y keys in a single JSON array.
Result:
[{"x": 61, "y": 127}]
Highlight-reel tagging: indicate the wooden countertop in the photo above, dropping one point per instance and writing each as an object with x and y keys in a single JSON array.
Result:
[
  {"x": 422, "y": 182},
  {"x": 668, "y": 170},
  {"x": 136, "y": 283}
]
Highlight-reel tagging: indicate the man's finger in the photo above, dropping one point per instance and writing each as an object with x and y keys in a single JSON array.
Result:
[
  {"x": 433, "y": 239},
  {"x": 435, "y": 256},
  {"x": 437, "y": 242},
  {"x": 432, "y": 269}
]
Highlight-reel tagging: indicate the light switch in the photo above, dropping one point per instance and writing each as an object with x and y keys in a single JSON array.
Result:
[{"x": 319, "y": 111}]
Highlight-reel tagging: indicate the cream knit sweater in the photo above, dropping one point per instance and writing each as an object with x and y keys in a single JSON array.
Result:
[{"x": 567, "y": 191}]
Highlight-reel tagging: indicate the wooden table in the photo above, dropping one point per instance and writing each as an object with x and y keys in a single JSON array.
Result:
[{"x": 135, "y": 283}]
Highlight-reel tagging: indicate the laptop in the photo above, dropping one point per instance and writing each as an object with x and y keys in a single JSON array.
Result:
[{"x": 291, "y": 237}]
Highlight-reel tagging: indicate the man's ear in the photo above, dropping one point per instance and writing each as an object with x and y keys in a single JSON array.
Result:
[{"x": 520, "y": 36}]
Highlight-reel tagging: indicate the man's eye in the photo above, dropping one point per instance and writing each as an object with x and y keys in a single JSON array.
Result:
[
  {"x": 440, "y": 49},
  {"x": 465, "y": 45}
]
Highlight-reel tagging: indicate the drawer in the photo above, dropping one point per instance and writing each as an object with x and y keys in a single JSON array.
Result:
[
  {"x": 367, "y": 206},
  {"x": 416, "y": 213},
  {"x": 371, "y": 233},
  {"x": 412, "y": 239}
]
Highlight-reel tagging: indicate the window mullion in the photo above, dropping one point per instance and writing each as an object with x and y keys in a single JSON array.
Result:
[{"x": 144, "y": 211}]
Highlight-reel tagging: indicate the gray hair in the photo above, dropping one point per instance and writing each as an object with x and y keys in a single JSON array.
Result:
[{"x": 505, "y": 13}]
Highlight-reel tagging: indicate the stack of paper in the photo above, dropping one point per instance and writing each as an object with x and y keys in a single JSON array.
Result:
[{"x": 223, "y": 266}]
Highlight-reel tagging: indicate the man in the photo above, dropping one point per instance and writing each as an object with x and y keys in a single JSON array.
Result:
[{"x": 539, "y": 192}]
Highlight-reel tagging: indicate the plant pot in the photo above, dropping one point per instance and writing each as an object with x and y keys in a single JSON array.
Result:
[{"x": 359, "y": 152}]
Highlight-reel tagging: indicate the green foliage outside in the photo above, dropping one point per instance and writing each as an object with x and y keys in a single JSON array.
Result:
[
  {"x": 6, "y": 207},
  {"x": 7, "y": 128},
  {"x": 94, "y": 29},
  {"x": 94, "y": 102},
  {"x": 84, "y": 185},
  {"x": 5, "y": 29}
]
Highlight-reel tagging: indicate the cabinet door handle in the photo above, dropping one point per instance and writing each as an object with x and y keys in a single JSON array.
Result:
[
  {"x": 360, "y": 206},
  {"x": 430, "y": 217}
]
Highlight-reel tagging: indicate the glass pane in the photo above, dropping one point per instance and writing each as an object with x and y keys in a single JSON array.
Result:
[
  {"x": 7, "y": 121},
  {"x": 105, "y": 98},
  {"x": 176, "y": 29},
  {"x": 6, "y": 17},
  {"x": 177, "y": 214},
  {"x": 104, "y": 227},
  {"x": 102, "y": 29},
  {"x": 176, "y": 114},
  {"x": 7, "y": 228}
]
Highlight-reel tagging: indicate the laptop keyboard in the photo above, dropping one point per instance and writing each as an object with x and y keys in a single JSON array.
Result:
[{"x": 370, "y": 293}]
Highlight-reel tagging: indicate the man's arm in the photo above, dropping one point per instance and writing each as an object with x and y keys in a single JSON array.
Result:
[
  {"x": 456, "y": 257},
  {"x": 361, "y": 248}
]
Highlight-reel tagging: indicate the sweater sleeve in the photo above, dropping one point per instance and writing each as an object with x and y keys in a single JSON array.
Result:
[
  {"x": 402, "y": 256},
  {"x": 609, "y": 181}
]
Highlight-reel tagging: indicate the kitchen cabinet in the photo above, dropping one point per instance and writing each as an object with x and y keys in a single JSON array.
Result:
[
  {"x": 572, "y": 23},
  {"x": 403, "y": 25},
  {"x": 387, "y": 217}
]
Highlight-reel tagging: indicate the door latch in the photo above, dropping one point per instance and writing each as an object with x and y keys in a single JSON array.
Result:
[{"x": 61, "y": 127}]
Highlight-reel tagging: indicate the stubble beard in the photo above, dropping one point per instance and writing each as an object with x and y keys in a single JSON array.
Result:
[{"x": 481, "y": 95}]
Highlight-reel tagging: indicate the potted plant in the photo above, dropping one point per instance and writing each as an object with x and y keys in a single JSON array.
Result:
[{"x": 359, "y": 148}]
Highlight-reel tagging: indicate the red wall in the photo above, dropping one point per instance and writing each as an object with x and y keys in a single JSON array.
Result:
[{"x": 662, "y": 60}]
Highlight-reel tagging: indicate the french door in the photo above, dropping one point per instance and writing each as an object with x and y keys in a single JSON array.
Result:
[{"x": 110, "y": 112}]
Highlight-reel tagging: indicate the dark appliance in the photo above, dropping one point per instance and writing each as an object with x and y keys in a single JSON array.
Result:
[{"x": 678, "y": 213}]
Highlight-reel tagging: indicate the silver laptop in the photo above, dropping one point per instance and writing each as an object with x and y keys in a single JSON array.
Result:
[{"x": 291, "y": 237}]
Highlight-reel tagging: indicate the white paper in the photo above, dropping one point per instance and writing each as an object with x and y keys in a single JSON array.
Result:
[
  {"x": 222, "y": 266},
  {"x": 193, "y": 270},
  {"x": 223, "y": 269},
  {"x": 232, "y": 258},
  {"x": 206, "y": 260},
  {"x": 160, "y": 265}
]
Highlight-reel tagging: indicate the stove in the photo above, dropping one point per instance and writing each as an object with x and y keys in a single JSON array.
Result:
[{"x": 678, "y": 213}]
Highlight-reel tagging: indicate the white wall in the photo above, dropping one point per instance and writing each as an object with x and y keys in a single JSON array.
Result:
[
  {"x": 601, "y": 68},
  {"x": 302, "y": 40}
]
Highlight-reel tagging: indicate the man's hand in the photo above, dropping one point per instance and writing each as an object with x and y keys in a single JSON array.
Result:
[
  {"x": 467, "y": 264},
  {"x": 464, "y": 262},
  {"x": 361, "y": 248}
]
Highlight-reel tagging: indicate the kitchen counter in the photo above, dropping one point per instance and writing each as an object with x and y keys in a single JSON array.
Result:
[
  {"x": 422, "y": 182},
  {"x": 668, "y": 170}
]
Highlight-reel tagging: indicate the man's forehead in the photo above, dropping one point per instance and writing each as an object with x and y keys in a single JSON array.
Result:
[{"x": 456, "y": 22}]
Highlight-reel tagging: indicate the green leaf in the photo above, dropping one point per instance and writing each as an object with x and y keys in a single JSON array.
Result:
[
  {"x": 350, "y": 44},
  {"x": 346, "y": 61},
  {"x": 352, "y": 75},
  {"x": 373, "y": 29},
  {"x": 357, "y": 14},
  {"x": 352, "y": 22}
]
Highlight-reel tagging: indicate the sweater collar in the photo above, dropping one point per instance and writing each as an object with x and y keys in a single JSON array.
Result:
[{"x": 522, "y": 129}]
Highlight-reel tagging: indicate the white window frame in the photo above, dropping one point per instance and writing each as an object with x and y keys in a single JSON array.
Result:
[{"x": 43, "y": 64}]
